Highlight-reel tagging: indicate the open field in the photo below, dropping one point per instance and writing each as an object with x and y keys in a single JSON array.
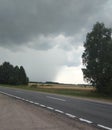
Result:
[
  {"x": 74, "y": 87},
  {"x": 66, "y": 89},
  {"x": 62, "y": 86}
]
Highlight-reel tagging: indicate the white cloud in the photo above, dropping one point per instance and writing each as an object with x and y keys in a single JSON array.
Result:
[
  {"x": 39, "y": 66},
  {"x": 70, "y": 75},
  {"x": 42, "y": 65}
]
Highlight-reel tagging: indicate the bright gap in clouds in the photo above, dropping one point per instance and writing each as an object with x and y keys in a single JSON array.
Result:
[
  {"x": 71, "y": 75},
  {"x": 56, "y": 64},
  {"x": 60, "y": 63}
]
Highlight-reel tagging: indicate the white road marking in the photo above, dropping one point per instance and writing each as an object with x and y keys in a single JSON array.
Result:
[
  {"x": 67, "y": 114},
  {"x": 84, "y": 120},
  {"x": 59, "y": 111},
  {"x": 31, "y": 101},
  {"x": 56, "y": 98},
  {"x": 50, "y": 108},
  {"x": 36, "y": 103},
  {"x": 70, "y": 115},
  {"x": 27, "y": 100},
  {"x": 107, "y": 128},
  {"x": 24, "y": 99},
  {"x": 42, "y": 105},
  {"x": 17, "y": 97}
]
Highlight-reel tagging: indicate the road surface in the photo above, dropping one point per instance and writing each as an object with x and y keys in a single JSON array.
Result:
[
  {"x": 91, "y": 112},
  {"x": 18, "y": 115}
]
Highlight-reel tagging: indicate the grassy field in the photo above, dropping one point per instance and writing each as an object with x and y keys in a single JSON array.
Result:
[{"x": 70, "y": 90}]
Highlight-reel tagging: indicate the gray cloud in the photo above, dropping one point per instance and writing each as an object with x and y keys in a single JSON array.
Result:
[
  {"x": 40, "y": 66},
  {"x": 46, "y": 35},
  {"x": 23, "y": 20}
]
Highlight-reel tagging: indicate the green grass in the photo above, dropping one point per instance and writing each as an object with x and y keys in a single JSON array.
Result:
[{"x": 63, "y": 91}]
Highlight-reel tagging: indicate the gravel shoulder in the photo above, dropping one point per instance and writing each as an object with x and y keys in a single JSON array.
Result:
[{"x": 19, "y": 115}]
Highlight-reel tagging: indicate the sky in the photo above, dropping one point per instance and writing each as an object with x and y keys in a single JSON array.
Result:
[{"x": 46, "y": 37}]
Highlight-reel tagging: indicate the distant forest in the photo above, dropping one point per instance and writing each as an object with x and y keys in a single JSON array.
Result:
[{"x": 12, "y": 75}]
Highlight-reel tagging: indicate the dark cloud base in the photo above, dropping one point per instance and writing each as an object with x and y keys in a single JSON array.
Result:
[{"x": 23, "y": 20}]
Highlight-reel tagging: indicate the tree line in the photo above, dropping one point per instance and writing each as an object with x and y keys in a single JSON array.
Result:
[
  {"x": 12, "y": 75},
  {"x": 97, "y": 58}
]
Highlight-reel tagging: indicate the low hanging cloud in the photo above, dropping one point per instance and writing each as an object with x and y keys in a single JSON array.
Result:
[{"x": 39, "y": 65}]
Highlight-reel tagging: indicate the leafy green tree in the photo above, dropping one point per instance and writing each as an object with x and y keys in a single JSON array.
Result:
[
  {"x": 97, "y": 58},
  {"x": 17, "y": 75},
  {"x": 6, "y": 72},
  {"x": 23, "y": 77},
  {"x": 12, "y": 75}
]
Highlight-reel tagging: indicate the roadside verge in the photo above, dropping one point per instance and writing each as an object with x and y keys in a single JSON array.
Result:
[{"x": 17, "y": 114}]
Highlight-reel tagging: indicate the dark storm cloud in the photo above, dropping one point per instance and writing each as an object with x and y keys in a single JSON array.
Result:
[{"x": 21, "y": 21}]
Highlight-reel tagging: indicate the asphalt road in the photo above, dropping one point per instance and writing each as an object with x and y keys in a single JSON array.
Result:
[{"x": 85, "y": 110}]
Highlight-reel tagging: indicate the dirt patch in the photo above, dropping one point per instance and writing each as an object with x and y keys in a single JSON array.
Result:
[{"x": 19, "y": 115}]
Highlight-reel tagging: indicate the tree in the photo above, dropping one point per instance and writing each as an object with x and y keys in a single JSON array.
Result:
[
  {"x": 97, "y": 58},
  {"x": 17, "y": 80},
  {"x": 23, "y": 77},
  {"x": 6, "y": 72},
  {"x": 12, "y": 75}
]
